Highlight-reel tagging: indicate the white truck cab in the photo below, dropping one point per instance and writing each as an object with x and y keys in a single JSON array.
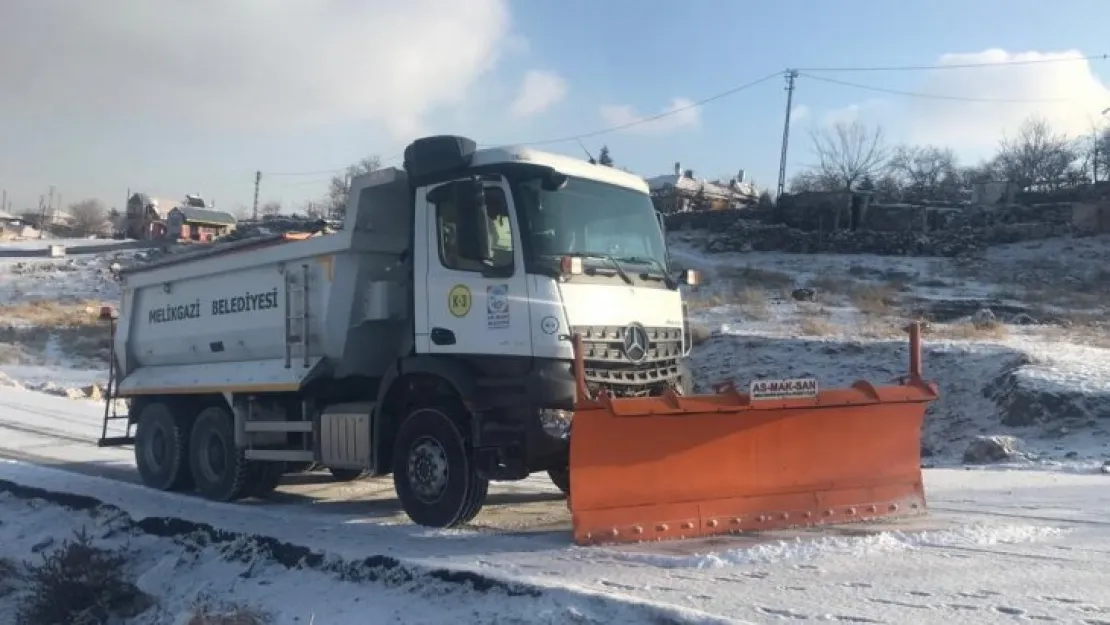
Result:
[{"x": 429, "y": 338}]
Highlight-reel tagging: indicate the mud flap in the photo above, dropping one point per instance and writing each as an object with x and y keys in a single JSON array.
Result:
[{"x": 680, "y": 467}]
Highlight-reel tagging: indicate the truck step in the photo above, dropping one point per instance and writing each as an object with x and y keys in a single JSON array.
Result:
[
  {"x": 280, "y": 455},
  {"x": 278, "y": 426},
  {"x": 116, "y": 441}
]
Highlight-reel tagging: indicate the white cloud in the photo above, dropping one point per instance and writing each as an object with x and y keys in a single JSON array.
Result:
[
  {"x": 622, "y": 114},
  {"x": 978, "y": 126},
  {"x": 247, "y": 63},
  {"x": 799, "y": 113},
  {"x": 538, "y": 92},
  {"x": 852, "y": 112}
]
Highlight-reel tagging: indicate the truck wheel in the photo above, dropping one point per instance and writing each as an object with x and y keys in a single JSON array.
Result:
[
  {"x": 435, "y": 479},
  {"x": 348, "y": 475},
  {"x": 265, "y": 478},
  {"x": 162, "y": 449},
  {"x": 561, "y": 478},
  {"x": 220, "y": 471}
]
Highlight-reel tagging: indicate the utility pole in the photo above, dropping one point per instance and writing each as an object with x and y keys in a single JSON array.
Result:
[
  {"x": 791, "y": 75},
  {"x": 257, "y": 182},
  {"x": 4, "y": 202},
  {"x": 50, "y": 202},
  {"x": 42, "y": 216}
]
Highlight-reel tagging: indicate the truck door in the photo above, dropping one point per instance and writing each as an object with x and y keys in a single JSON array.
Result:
[{"x": 467, "y": 309}]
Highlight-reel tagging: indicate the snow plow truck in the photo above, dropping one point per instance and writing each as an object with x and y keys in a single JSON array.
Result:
[{"x": 487, "y": 315}]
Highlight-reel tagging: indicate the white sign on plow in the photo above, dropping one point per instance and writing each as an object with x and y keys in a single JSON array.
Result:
[{"x": 799, "y": 388}]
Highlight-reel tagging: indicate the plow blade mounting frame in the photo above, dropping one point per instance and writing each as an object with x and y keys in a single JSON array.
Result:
[{"x": 671, "y": 467}]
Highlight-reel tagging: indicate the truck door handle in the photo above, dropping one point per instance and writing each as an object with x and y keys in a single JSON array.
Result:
[{"x": 443, "y": 336}]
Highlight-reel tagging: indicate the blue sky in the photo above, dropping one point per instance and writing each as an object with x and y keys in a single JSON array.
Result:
[{"x": 126, "y": 108}]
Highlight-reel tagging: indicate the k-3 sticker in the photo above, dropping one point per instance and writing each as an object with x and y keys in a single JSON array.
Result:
[{"x": 458, "y": 300}]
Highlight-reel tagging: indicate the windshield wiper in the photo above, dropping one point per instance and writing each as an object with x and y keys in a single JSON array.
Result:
[
  {"x": 620, "y": 270},
  {"x": 644, "y": 260}
]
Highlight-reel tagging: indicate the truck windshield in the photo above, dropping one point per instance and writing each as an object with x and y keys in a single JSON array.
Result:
[{"x": 592, "y": 218}]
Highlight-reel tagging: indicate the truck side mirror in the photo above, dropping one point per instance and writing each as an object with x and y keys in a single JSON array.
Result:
[
  {"x": 473, "y": 232},
  {"x": 690, "y": 277}
]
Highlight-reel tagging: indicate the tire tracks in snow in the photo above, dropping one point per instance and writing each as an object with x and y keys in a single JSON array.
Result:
[{"x": 380, "y": 570}]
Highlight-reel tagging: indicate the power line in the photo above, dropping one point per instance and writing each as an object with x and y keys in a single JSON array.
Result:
[
  {"x": 578, "y": 137},
  {"x": 306, "y": 173},
  {"x": 932, "y": 96},
  {"x": 908, "y": 68},
  {"x": 658, "y": 116}
]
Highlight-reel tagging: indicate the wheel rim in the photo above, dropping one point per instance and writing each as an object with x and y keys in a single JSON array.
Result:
[
  {"x": 213, "y": 457},
  {"x": 428, "y": 470},
  {"x": 157, "y": 449}
]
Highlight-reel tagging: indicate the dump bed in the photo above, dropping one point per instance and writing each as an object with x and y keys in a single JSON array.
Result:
[{"x": 268, "y": 314}]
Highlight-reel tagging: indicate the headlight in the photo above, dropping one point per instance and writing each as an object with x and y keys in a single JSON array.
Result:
[{"x": 556, "y": 423}]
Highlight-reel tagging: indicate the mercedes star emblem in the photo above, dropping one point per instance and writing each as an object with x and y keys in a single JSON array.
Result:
[{"x": 635, "y": 342}]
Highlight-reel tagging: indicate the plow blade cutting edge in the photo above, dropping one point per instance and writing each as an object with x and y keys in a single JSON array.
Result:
[{"x": 674, "y": 467}]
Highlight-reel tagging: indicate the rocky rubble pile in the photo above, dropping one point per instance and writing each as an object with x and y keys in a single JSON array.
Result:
[{"x": 1024, "y": 403}]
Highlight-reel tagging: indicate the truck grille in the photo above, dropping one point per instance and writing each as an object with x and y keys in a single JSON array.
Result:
[{"x": 608, "y": 367}]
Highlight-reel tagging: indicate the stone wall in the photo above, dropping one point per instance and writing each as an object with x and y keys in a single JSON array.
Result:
[
  {"x": 743, "y": 235},
  {"x": 899, "y": 230}
]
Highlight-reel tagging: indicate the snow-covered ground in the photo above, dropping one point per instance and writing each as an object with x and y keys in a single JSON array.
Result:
[
  {"x": 1030, "y": 369},
  {"x": 998, "y": 545}
]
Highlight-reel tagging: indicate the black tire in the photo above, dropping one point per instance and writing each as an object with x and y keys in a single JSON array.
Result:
[
  {"x": 348, "y": 475},
  {"x": 560, "y": 478},
  {"x": 220, "y": 471},
  {"x": 162, "y": 449},
  {"x": 265, "y": 479},
  {"x": 428, "y": 437}
]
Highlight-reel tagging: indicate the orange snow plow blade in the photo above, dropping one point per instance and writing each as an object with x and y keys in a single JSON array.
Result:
[{"x": 783, "y": 455}]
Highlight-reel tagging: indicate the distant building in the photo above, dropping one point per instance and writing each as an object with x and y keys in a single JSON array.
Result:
[
  {"x": 11, "y": 226},
  {"x": 682, "y": 192},
  {"x": 144, "y": 217},
  {"x": 198, "y": 224}
]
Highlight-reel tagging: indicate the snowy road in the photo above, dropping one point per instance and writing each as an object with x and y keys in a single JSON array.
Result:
[{"x": 999, "y": 545}]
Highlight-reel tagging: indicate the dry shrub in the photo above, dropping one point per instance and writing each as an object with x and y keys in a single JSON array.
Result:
[
  {"x": 227, "y": 615},
  {"x": 754, "y": 303},
  {"x": 837, "y": 285},
  {"x": 967, "y": 331},
  {"x": 880, "y": 329},
  {"x": 817, "y": 326},
  {"x": 53, "y": 314},
  {"x": 874, "y": 299},
  {"x": 80, "y": 584},
  {"x": 748, "y": 276},
  {"x": 31, "y": 325},
  {"x": 751, "y": 300},
  {"x": 10, "y": 576}
]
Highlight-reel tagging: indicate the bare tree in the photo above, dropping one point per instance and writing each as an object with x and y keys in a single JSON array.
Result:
[
  {"x": 335, "y": 202},
  {"x": 239, "y": 211},
  {"x": 926, "y": 172},
  {"x": 1037, "y": 157},
  {"x": 1095, "y": 154},
  {"x": 270, "y": 209},
  {"x": 850, "y": 152},
  {"x": 813, "y": 180},
  {"x": 314, "y": 210},
  {"x": 89, "y": 217}
]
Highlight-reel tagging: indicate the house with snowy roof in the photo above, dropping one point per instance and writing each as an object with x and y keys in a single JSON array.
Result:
[{"x": 682, "y": 192}]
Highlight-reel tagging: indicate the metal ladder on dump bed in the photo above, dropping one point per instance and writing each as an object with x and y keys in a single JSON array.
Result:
[
  {"x": 297, "y": 327},
  {"x": 109, "y": 314}
]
